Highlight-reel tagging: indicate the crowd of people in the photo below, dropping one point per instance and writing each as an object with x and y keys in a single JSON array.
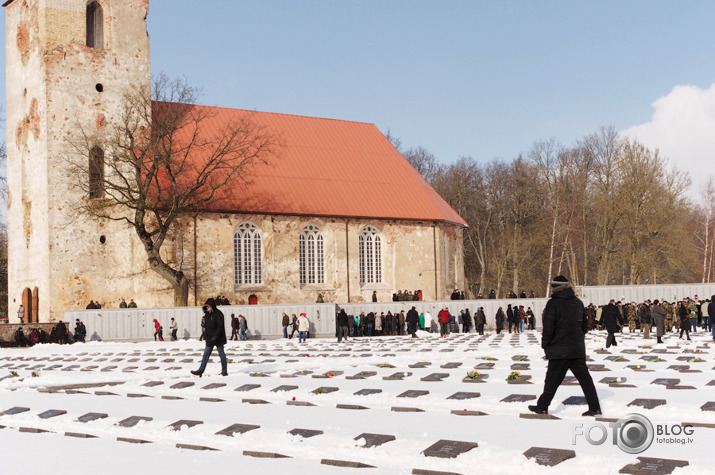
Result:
[{"x": 59, "y": 334}]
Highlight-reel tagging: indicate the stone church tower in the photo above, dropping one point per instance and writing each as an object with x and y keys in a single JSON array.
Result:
[{"x": 68, "y": 64}]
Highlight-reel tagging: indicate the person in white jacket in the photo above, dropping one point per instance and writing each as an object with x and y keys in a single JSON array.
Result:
[
  {"x": 303, "y": 327},
  {"x": 428, "y": 322}
]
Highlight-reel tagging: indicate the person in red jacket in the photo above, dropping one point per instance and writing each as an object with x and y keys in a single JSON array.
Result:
[{"x": 443, "y": 316}]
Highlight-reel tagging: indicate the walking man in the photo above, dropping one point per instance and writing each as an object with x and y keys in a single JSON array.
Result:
[
  {"x": 215, "y": 336},
  {"x": 174, "y": 327},
  {"x": 564, "y": 327},
  {"x": 611, "y": 319}
]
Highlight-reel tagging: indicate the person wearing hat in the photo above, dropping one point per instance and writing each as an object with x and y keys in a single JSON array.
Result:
[
  {"x": 303, "y": 328},
  {"x": 174, "y": 327},
  {"x": 342, "y": 325},
  {"x": 564, "y": 326}
]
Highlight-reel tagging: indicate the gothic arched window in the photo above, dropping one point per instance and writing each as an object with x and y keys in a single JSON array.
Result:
[
  {"x": 95, "y": 25},
  {"x": 370, "y": 256},
  {"x": 248, "y": 255},
  {"x": 312, "y": 256},
  {"x": 96, "y": 172}
]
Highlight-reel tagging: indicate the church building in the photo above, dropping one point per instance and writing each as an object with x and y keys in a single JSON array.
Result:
[{"x": 339, "y": 213}]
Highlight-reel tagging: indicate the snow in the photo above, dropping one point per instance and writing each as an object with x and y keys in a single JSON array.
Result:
[{"x": 502, "y": 435}]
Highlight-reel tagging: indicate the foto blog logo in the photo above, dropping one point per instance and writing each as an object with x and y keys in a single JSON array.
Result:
[{"x": 633, "y": 434}]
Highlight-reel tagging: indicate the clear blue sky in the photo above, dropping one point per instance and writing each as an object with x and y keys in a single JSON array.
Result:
[{"x": 477, "y": 78}]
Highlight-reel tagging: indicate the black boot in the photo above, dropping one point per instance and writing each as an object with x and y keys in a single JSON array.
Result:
[
  {"x": 592, "y": 413},
  {"x": 538, "y": 410},
  {"x": 197, "y": 373}
]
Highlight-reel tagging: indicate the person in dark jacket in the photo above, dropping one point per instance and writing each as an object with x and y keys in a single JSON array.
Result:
[
  {"x": 412, "y": 319},
  {"x": 370, "y": 323},
  {"x": 500, "y": 320},
  {"x": 285, "y": 321},
  {"x": 564, "y": 327},
  {"x": 479, "y": 320},
  {"x": 646, "y": 319},
  {"x": 611, "y": 319},
  {"x": 342, "y": 325},
  {"x": 234, "y": 327},
  {"x": 80, "y": 331},
  {"x": 492, "y": 295},
  {"x": 658, "y": 314},
  {"x": 215, "y": 336},
  {"x": 443, "y": 317},
  {"x": 711, "y": 312},
  {"x": 684, "y": 315},
  {"x": 510, "y": 317},
  {"x": 61, "y": 330}
]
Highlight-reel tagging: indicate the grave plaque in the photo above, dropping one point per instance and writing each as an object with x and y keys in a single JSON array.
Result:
[
  {"x": 419, "y": 364},
  {"x": 237, "y": 429},
  {"x": 133, "y": 420},
  {"x": 406, "y": 409},
  {"x": 14, "y": 410},
  {"x": 451, "y": 365},
  {"x": 531, "y": 415},
  {"x": 647, "y": 403},
  {"x": 435, "y": 377},
  {"x": 464, "y": 395},
  {"x": 284, "y": 387},
  {"x": 325, "y": 390},
  {"x": 362, "y": 375},
  {"x": 350, "y": 406},
  {"x": 374, "y": 440},
  {"x": 468, "y": 413},
  {"x": 448, "y": 448},
  {"x": 520, "y": 366},
  {"x": 92, "y": 416},
  {"x": 367, "y": 392},
  {"x": 518, "y": 398},
  {"x": 574, "y": 401},
  {"x": 652, "y": 465},
  {"x": 412, "y": 393},
  {"x": 397, "y": 376},
  {"x": 247, "y": 387},
  {"x": 549, "y": 457},
  {"x": 254, "y": 401},
  {"x": 665, "y": 381},
  {"x": 708, "y": 406},
  {"x": 345, "y": 463},
  {"x": 305, "y": 433},
  {"x": 51, "y": 413},
  {"x": 178, "y": 425},
  {"x": 264, "y": 455}
]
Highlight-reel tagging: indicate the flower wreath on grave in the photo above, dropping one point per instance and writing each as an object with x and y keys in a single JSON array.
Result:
[
  {"x": 513, "y": 375},
  {"x": 329, "y": 375},
  {"x": 320, "y": 391},
  {"x": 695, "y": 360},
  {"x": 35, "y": 374},
  {"x": 618, "y": 358},
  {"x": 474, "y": 375},
  {"x": 257, "y": 373}
]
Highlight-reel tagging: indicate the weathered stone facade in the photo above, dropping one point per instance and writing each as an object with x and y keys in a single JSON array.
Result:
[{"x": 56, "y": 88}]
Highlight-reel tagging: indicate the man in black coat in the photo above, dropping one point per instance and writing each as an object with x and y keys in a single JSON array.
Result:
[
  {"x": 612, "y": 320},
  {"x": 342, "y": 325},
  {"x": 61, "y": 332},
  {"x": 412, "y": 319},
  {"x": 711, "y": 312},
  {"x": 564, "y": 327},
  {"x": 215, "y": 336}
]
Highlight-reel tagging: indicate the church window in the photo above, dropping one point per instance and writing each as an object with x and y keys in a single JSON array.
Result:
[
  {"x": 248, "y": 255},
  {"x": 95, "y": 25},
  {"x": 96, "y": 172},
  {"x": 370, "y": 247},
  {"x": 312, "y": 256}
]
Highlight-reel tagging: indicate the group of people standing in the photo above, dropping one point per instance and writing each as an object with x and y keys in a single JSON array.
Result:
[
  {"x": 59, "y": 334},
  {"x": 516, "y": 318}
]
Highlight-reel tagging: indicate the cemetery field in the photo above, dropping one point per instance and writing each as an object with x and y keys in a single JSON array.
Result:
[{"x": 385, "y": 405}]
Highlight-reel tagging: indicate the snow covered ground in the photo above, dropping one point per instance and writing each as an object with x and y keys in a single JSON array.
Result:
[{"x": 77, "y": 379}]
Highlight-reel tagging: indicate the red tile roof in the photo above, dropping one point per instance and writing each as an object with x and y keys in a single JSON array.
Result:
[{"x": 328, "y": 168}]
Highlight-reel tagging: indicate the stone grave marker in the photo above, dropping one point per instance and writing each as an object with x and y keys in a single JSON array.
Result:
[
  {"x": 214, "y": 386},
  {"x": 327, "y": 374},
  {"x": 92, "y": 416},
  {"x": 51, "y": 413},
  {"x": 420, "y": 364},
  {"x": 520, "y": 366},
  {"x": 305, "y": 433},
  {"x": 650, "y": 465},
  {"x": 151, "y": 384},
  {"x": 374, "y": 440},
  {"x": 397, "y": 376},
  {"x": 484, "y": 366},
  {"x": 182, "y": 385},
  {"x": 130, "y": 369},
  {"x": 574, "y": 401},
  {"x": 452, "y": 365},
  {"x": 325, "y": 390},
  {"x": 598, "y": 367},
  {"x": 406, "y": 409},
  {"x": 468, "y": 413},
  {"x": 461, "y": 395},
  {"x": 151, "y": 368},
  {"x": 134, "y": 420},
  {"x": 284, "y": 387},
  {"x": 549, "y": 457},
  {"x": 413, "y": 393},
  {"x": 254, "y": 401},
  {"x": 237, "y": 429},
  {"x": 708, "y": 406},
  {"x": 435, "y": 377},
  {"x": 299, "y": 403},
  {"x": 531, "y": 415},
  {"x": 108, "y": 368},
  {"x": 570, "y": 381},
  {"x": 665, "y": 381},
  {"x": 448, "y": 448},
  {"x": 362, "y": 375},
  {"x": 14, "y": 410},
  {"x": 367, "y": 392},
  {"x": 647, "y": 403},
  {"x": 184, "y": 422},
  {"x": 518, "y": 398}
]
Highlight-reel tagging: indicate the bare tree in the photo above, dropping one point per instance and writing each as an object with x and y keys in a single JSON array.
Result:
[
  {"x": 424, "y": 162},
  {"x": 164, "y": 158}
]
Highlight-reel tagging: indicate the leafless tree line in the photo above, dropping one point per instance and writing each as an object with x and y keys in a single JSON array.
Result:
[{"x": 607, "y": 210}]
